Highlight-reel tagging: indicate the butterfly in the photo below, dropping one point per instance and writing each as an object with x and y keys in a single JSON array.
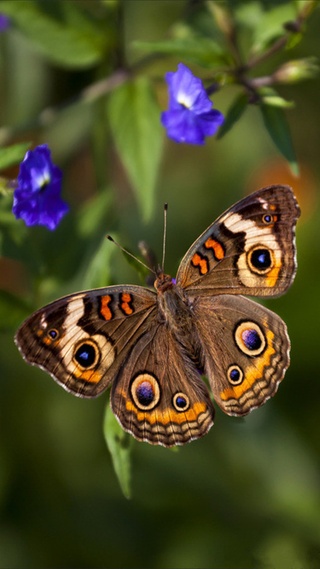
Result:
[{"x": 153, "y": 347}]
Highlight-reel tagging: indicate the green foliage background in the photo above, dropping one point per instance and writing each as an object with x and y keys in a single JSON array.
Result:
[{"x": 247, "y": 494}]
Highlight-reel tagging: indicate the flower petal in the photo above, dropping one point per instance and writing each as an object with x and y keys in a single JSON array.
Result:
[
  {"x": 190, "y": 117},
  {"x": 37, "y": 198}
]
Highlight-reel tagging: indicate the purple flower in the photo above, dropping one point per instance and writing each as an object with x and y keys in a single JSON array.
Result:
[
  {"x": 37, "y": 196},
  {"x": 190, "y": 117},
  {"x": 4, "y": 22}
]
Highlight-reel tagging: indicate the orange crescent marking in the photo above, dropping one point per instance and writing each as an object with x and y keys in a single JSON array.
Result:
[
  {"x": 271, "y": 279},
  {"x": 272, "y": 276},
  {"x": 253, "y": 373},
  {"x": 126, "y": 298},
  {"x": 167, "y": 415},
  {"x": 89, "y": 376},
  {"x": 105, "y": 310},
  {"x": 202, "y": 263},
  {"x": 48, "y": 341},
  {"x": 216, "y": 247}
]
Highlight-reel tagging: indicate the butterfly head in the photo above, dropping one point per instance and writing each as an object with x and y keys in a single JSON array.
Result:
[{"x": 163, "y": 282}]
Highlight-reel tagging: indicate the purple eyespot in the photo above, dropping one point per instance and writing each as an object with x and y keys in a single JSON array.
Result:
[
  {"x": 145, "y": 393},
  {"x": 251, "y": 339}
]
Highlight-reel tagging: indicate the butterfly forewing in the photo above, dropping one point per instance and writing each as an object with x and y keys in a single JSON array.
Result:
[
  {"x": 83, "y": 339},
  {"x": 250, "y": 249}
]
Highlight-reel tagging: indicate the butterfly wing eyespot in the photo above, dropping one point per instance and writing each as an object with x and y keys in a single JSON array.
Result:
[
  {"x": 235, "y": 374},
  {"x": 181, "y": 401},
  {"x": 145, "y": 391},
  {"x": 87, "y": 354},
  {"x": 260, "y": 259},
  {"x": 270, "y": 218},
  {"x": 53, "y": 334},
  {"x": 249, "y": 338}
]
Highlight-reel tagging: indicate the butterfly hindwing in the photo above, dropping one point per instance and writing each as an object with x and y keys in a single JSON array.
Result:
[
  {"x": 246, "y": 351},
  {"x": 159, "y": 395}
]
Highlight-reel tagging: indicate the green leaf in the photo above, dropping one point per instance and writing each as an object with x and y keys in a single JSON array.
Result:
[
  {"x": 270, "y": 25},
  {"x": 119, "y": 444},
  {"x": 72, "y": 41},
  {"x": 278, "y": 128},
  {"x": 135, "y": 123},
  {"x": 12, "y": 155},
  {"x": 234, "y": 113},
  {"x": 200, "y": 51}
]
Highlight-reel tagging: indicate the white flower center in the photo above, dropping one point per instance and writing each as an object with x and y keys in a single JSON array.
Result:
[
  {"x": 185, "y": 99},
  {"x": 41, "y": 179}
]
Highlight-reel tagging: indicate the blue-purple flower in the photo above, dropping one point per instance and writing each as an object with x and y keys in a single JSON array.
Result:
[
  {"x": 190, "y": 117},
  {"x": 4, "y": 22},
  {"x": 37, "y": 195}
]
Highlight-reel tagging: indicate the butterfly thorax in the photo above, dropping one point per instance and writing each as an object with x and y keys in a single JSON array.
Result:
[{"x": 175, "y": 311}]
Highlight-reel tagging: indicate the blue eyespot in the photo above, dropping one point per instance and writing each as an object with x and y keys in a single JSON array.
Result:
[
  {"x": 235, "y": 375},
  {"x": 261, "y": 259},
  {"x": 85, "y": 355},
  {"x": 181, "y": 402},
  {"x": 53, "y": 334}
]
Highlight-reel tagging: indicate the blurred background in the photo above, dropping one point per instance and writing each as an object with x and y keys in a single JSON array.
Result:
[{"x": 247, "y": 494}]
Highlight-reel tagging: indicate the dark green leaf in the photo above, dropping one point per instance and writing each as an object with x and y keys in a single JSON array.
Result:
[
  {"x": 278, "y": 128},
  {"x": 71, "y": 42},
  {"x": 12, "y": 155},
  {"x": 234, "y": 113},
  {"x": 135, "y": 123},
  {"x": 119, "y": 444}
]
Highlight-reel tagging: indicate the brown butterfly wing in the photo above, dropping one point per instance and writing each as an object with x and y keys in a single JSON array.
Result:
[
  {"x": 246, "y": 351},
  {"x": 159, "y": 395},
  {"x": 250, "y": 249},
  {"x": 82, "y": 340}
]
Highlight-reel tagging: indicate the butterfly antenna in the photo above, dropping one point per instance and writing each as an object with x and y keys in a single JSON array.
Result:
[
  {"x": 130, "y": 254},
  {"x": 165, "y": 209}
]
